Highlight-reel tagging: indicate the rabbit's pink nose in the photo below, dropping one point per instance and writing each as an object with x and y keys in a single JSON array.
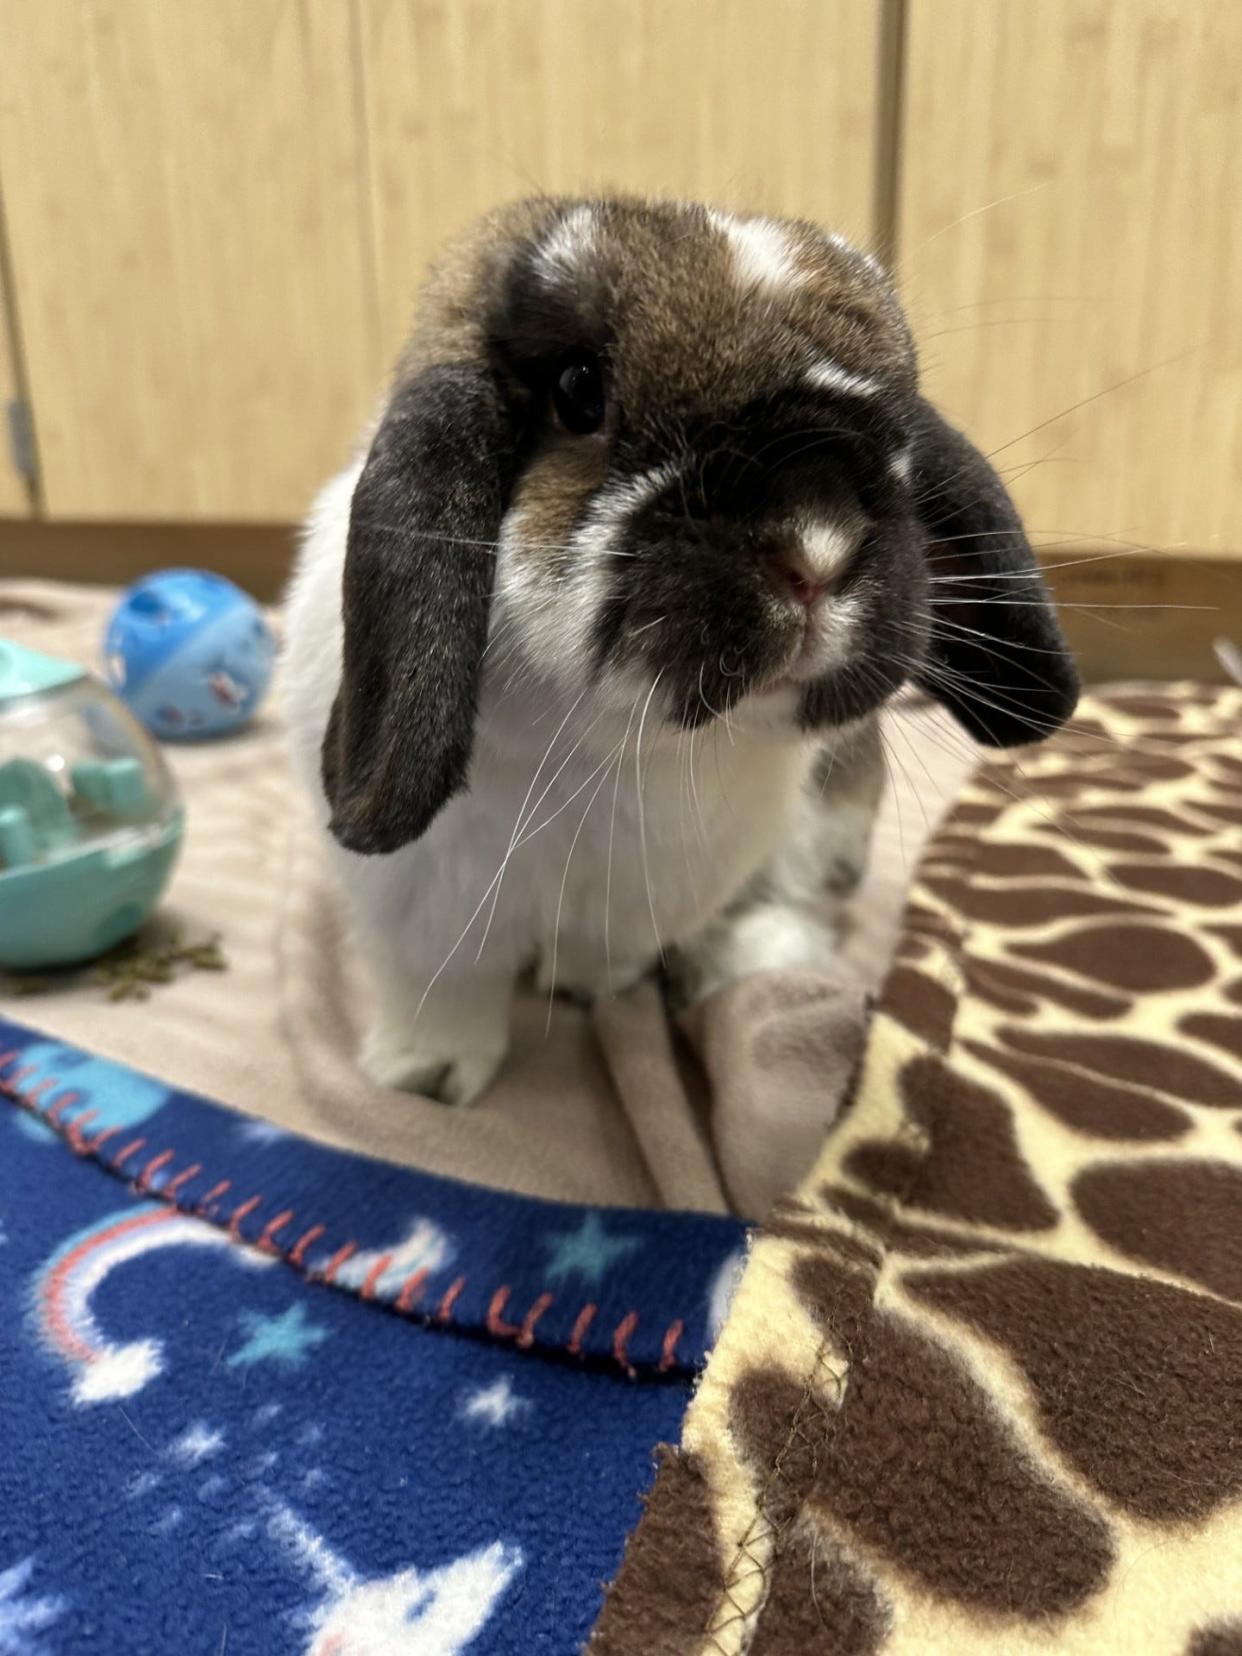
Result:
[{"x": 800, "y": 583}]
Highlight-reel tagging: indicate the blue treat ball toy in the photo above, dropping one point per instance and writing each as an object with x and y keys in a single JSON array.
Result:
[{"x": 189, "y": 653}]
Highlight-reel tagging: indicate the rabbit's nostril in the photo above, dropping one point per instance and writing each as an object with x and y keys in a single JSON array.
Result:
[{"x": 800, "y": 584}]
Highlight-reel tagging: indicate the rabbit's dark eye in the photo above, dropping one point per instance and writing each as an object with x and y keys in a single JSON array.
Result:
[{"x": 578, "y": 393}]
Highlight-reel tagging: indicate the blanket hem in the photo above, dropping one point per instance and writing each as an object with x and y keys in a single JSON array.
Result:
[{"x": 155, "y": 1179}]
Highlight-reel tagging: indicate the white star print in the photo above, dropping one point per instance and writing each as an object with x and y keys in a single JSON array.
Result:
[
  {"x": 195, "y": 1444},
  {"x": 260, "y": 1132},
  {"x": 494, "y": 1404}
]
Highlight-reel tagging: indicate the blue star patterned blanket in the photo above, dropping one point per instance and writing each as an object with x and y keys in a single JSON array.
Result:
[{"x": 264, "y": 1396}]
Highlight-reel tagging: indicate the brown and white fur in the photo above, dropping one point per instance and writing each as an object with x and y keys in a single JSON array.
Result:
[{"x": 585, "y": 652}]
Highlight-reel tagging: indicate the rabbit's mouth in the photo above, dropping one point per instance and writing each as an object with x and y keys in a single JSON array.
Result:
[{"x": 823, "y": 643}]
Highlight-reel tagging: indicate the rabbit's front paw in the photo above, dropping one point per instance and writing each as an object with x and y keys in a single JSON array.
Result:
[{"x": 447, "y": 1064}]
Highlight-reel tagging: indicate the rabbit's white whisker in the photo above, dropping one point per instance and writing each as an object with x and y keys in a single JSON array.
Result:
[
  {"x": 612, "y": 829},
  {"x": 560, "y": 900},
  {"x": 518, "y": 822},
  {"x": 642, "y": 815}
]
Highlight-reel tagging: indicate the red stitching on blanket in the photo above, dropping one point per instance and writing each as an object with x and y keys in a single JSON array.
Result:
[
  {"x": 337, "y": 1260},
  {"x": 73, "y": 1132},
  {"x": 174, "y": 1185},
  {"x": 411, "y": 1289},
  {"x": 584, "y": 1320},
  {"x": 621, "y": 1334},
  {"x": 143, "y": 1181},
  {"x": 304, "y": 1241},
  {"x": 495, "y": 1323},
  {"x": 204, "y": 1207},
  {"x": 239, "y": 1213},
  {"x": 526, "y": 1334},
  {"x": 131, "y": 1149},
  {"x": 451, "y": 1294},
  {"x": 62, "y": 1103},
  {"x": 371, "y": 1281},
  {"x": 266, "y": 1241},
  {"x": 36, "y": 1094},
  {"x": 668, "y": 1352}
]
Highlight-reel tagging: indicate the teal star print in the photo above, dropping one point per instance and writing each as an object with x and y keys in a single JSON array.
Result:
[
  {"x": 586, "y": 1252},
  {"x": 284, "y": 1339}
]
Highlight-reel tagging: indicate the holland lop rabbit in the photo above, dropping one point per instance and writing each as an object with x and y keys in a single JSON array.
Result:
[{"x": 586, "y": 650}]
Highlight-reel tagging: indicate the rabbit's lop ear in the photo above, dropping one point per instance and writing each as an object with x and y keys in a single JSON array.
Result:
[
  {"x": 997, "y": 658},
  {"x": 418, "y": 576}
]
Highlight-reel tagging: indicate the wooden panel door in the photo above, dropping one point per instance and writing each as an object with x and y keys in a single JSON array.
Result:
[
  {"x": 186, "y": 203},
  {"x": 1070, "y": 220},
  {"x": 764, "y": 103},
  {"x": 220, "y": 209}
]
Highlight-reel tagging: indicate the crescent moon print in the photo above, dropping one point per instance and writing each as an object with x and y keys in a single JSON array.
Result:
[{"x": 103, "y": 1371}]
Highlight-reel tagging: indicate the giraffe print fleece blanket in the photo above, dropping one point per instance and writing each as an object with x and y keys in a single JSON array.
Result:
[{"x": 980, "y": 1389}]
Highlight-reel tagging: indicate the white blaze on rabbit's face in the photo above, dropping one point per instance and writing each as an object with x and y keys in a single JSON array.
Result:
[
  {"x": 548, "y": 595},
  {"x": 827, "y": 545},
  {"x": 824, "y": 549},
  {"x": 763, "y": 252},
  {"x": 563, "y": 251},
  {"x": 901, "y": 464},
  {"x": 828, "y": 376}
]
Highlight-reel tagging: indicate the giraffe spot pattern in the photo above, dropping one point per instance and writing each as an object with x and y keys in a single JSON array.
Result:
[
  {"x": 1108, "y": 839},
  {"x": 1139, "y": 959},
  {"x": 1207, "y": 886},
  {"x": 973, "y": 1168},
  {"x": 966, "y": 855},
  {"x": 924, "y": 1006},
  {"x": 1129, "y": 1058},
  {"x": 1217, "y": 1639},
  {"x": 1027, "y": 1547},
  {"x": 1019, "y": 989},
  {"x": 1182, "y": 1216},
  {"x": 1030, "y": 1186},
  {"x": 835, "y": 1610},
  {"x": 1221, "y": 1030},
  {"x": 1025, "y": 905},
  {"x": 1130, "y": 816},
  {"x": 1103, "y": 1109},
  {"x": 672, "y": 1575},
  {"x": 901, "y": 1234},
  {"x": 1113, "y": 1362}
]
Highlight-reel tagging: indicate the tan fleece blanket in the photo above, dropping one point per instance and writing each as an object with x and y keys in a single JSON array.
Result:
[{"x": 613, "y": 1106}]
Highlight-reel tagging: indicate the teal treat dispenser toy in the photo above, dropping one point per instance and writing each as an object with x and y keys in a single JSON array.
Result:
[{"x": 90, "y": 821}]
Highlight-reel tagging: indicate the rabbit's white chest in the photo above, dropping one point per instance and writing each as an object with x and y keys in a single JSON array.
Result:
[{"x": 610, "y": 854}]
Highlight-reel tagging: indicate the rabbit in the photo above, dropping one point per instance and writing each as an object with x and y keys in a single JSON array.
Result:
[{"x": 586, "y": 648}]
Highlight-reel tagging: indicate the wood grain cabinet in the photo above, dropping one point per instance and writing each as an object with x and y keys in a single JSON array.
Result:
[
  {"x": 186, "y": 201},
  {"x": 216, "y": 214},
  {"x": 1070, "y": 233},
  {"x": 218, "y": 211}
]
